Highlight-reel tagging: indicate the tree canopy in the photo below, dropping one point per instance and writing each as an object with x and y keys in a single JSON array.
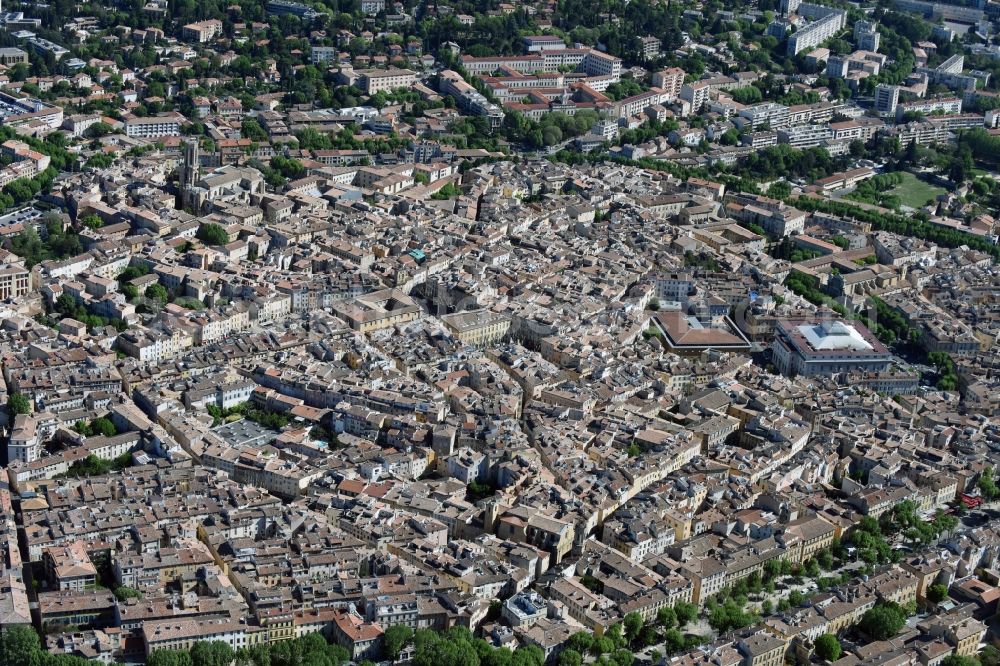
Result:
[
  {"x": 827, "y": 647},
  {"x": 883, "y": 621}
]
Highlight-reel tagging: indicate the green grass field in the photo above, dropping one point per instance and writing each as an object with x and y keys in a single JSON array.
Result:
[{"x": 914, "y": 192}]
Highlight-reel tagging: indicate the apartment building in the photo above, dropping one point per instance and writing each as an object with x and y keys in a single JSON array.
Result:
[
  {"x": 378, "y": 310},
  {"x": 940, "y": 105},
  {"x": 829, "y": 22},
  {"x": 805, "y": 136},
  {"x": 324, "y": 55},
  {"x": 589, "y": 61},
  {"x": 886, "y": 99},
  {"x": 182, "y": 634},
  {"x": 754, "y": 118},
  {"x": 154, "y": 127},
  {"x": 537, "y": 43},
  {"x": 12, "y": 56},
  {"x": 697, "y": 94},
  {"x": 670, "y": 81},
  {"x": 69, "y": 566},
  {"x": 202, "y": 31},
  {"x": 378, "y": 80},
  {"x": 24, "y": 443}
]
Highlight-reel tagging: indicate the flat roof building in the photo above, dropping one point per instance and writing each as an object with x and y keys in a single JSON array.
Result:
[{"x": 829, "y": 347}]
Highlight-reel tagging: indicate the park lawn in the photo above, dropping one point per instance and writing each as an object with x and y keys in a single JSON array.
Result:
[{"x": 914, "y": 192}]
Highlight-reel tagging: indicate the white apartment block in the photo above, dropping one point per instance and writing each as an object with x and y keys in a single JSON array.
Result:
[
  {"x": 805, "y": 136},
  {"x": 697, "y": 93},
  {"x": 154, "y": 127},
  {"x": 818, "y": 31},
  {"x": 769, "y": 113},
  {"x": 944, "y": 105},
  {"x": 670, "y": 81},
  {"x": 323, "y": 55},
  {"x": 24, "y": 445}
]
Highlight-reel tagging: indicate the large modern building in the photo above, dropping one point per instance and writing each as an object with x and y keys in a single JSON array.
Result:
[{"x": 809, "y": 348}]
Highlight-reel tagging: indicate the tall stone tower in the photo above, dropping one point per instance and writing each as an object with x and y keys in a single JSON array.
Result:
[{"x": 190, "y": 172}]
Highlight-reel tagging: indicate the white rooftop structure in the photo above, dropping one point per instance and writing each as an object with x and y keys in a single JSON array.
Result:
[{"x": 834, "y": 335}]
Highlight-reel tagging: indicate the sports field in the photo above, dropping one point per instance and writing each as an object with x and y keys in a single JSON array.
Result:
[{"x": 914, "y": 192}]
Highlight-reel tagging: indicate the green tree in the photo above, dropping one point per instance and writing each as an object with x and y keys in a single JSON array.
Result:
[
  {"x": 122, "y": 593},
  {"x": 957, "y": 660},
  {"x": 633, "y": 625},
  {"x": 18, "y": 645},
  {"x": 103, "y": 426},
  {"x": 212, "y": 234},
  {"x": 685, "y": 613},
  {"x": 827, "y": 647},
  {"x": 211, "y": 653},
  {"x": 251, "y": 129},
  {"x": 602, "y": 645},
  {"x": 673, "y": 641},
  {"x": 987, "y": 485},
  {"x": 623, "y": 657},
  {"x": 92, "y": 221},
  {"x": 617, "y": 634},
  {"x": 169, "y": 658},
  {"x": 18, "y": 403},
  {"x": 570, "y": 657},
  {"x": 666, "y": 617},
  {"x": 98, "y": 130},
  {"x": 581, "y": 641},
  {"x": 780, "y": 189},
  {"x": 157, "y": 292},
  {"x": 883, "y": 621},
  {"x": 730, "y": 615},
  {"x": 395, "y": 639},
  {"x": 937, "y": 593}
]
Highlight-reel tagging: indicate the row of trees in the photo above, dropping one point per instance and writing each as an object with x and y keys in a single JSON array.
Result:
[
  {"x": 916, "y": 226},
  {"x": 311, "y": 650},
  {"x": 905, "y": 520},
  {"x": 614, "y": 647},
  {"x": 876, "y": 190},
  {"x": 551, "y": 129}
]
